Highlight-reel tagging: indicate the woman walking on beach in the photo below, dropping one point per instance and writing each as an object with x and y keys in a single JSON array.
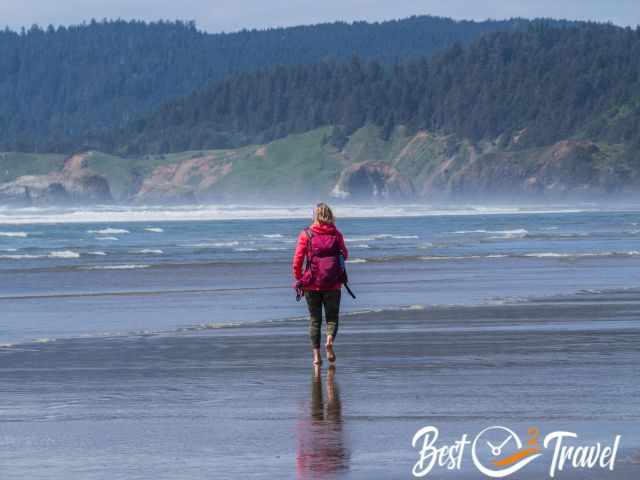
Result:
[{"x": 321, "y": 245}]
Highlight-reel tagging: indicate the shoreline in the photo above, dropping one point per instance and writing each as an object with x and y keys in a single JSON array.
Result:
[
  {"x": 244, "y": 401},
  {"x": 105, "y": 214},
  {"x": 500, "y": 307}
]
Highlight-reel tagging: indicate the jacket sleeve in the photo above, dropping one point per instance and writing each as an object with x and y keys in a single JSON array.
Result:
[
  {"x": 343, "y": 247},
  {"x": 298, "y": 256}
]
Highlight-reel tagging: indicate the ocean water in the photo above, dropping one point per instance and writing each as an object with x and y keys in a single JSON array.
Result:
[
  {"x": 117, "y": 271},
  {"x": 166, "y": 343}
]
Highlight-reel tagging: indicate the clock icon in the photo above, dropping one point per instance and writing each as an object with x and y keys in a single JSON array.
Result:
[{"x": 498, "y": 451}]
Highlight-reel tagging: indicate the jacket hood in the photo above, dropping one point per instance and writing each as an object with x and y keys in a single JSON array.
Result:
[{"x": 324, "y": 229}]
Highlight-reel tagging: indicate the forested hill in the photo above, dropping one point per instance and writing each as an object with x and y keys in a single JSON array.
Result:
[
  {"x": 60, "y": 86},
  {"x": 524, "y": 88}
]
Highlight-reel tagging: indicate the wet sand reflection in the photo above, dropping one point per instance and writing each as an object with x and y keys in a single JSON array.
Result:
[{"x": 322, "y": 450}]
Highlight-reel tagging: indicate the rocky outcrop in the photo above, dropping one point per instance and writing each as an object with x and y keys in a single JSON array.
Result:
[
  {"x": 183, "y": 182},
  {"x": 82, "y": 184},
  {"x": 33, "y": 190},
  {"x": 76, "y": 183},
  {"x": 421, "y": 166},
  {"x": 372, "y": 181},
  {"x": 444, "y": 167},
  {"x": 569, "y": 168}
]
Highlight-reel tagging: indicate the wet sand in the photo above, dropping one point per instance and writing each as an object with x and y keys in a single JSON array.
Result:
[{"x": 245, "y": 402}]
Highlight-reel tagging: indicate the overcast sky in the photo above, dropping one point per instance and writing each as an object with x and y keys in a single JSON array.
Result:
[{"x": 232, "y": 15}]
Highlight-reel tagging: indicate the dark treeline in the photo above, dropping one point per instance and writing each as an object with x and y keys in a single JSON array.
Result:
[
  {"x": 59, "y": 86},
  {"x": 543, "y": 85}
]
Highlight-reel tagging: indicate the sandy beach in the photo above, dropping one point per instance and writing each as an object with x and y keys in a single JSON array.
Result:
[
  {"x": 245, "y": 402},
  {"x": 194, "y": 201}
]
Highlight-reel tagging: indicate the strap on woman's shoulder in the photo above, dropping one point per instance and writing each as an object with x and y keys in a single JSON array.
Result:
[{"x": 309, "y": 249}]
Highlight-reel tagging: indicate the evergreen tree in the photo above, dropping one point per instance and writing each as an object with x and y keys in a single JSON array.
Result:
[{"x": 62, "y": 88}]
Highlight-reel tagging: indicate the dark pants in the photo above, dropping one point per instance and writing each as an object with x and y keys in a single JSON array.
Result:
[{"x": 331, "y": 302}]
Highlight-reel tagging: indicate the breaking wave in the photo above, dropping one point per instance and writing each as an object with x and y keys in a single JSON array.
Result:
[
  {"x": 569, "y": 255},
  {"x": 548, "y": 233},
  {"x": 380, "y": 236},
  {"x": 632, "y": 253},
  {"x": 54, "y": 254},
  {"x": 356, "y": 260},
  {"x": 461, "y": 257},
  {"x": 110, "y": 213},
  {"x": 117, "y": 267},
  {"x": 518, "y": 232},
  {"x": 20, "y": 256},
  {"x": 212, "y": 244},
  {"x": 64, "y": 254},
  {"x": 109, "y": 231}
]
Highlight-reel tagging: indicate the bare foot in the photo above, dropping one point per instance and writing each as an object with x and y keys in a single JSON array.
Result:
[
  {"x": 331, "y": 355},
  {"x": 317, "y": 359}
]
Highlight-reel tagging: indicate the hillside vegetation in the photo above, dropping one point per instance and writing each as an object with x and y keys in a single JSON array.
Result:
[
  {"x": 528, "y": 89},
  {"x": 61, "y": 88},
  {"x": 548, "y": 111},
  {"x": 405, "y": 166}
]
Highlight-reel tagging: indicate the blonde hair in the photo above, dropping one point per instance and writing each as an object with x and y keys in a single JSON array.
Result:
[{"x": 323, "y": 214}]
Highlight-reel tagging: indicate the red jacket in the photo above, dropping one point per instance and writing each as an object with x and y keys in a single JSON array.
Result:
[{"x": 301, "y": 249}]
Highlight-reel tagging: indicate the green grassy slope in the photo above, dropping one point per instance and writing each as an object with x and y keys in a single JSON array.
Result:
[
  {"x": 306, "y": 165},
  {"x": 13, "y": 164},
  {"x": 292, "y": 166}
]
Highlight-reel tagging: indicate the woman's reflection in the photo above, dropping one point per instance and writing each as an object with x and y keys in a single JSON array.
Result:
[{"x": 321, "y": 444}]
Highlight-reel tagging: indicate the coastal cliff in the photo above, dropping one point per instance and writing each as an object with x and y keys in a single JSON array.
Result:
[
  {"x": 405, "y": 167},
  {"x": 75, "y": 183},
  {"x": 545, "y": 110}
]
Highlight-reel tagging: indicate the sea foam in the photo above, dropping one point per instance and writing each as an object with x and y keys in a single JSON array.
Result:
[
  {"x": 20, "y": 257},
  {"x": 117, "y": 267},
  {"x": 356, "y": 260},
  {"x": 64, "y": 254},
  {"x": 109, "y": 231},
  {"x": 54, "y": 254},
  {"x": 518, "y": 232},
  {"x": 631, "y": 253},
  {"x": 213, "y": 244},
  {"x": 383, "y": 236},
  {"x": 462, "y": 257},
  {"x": 237, "y": 212},
  {"x": 14, "y": 234}
]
